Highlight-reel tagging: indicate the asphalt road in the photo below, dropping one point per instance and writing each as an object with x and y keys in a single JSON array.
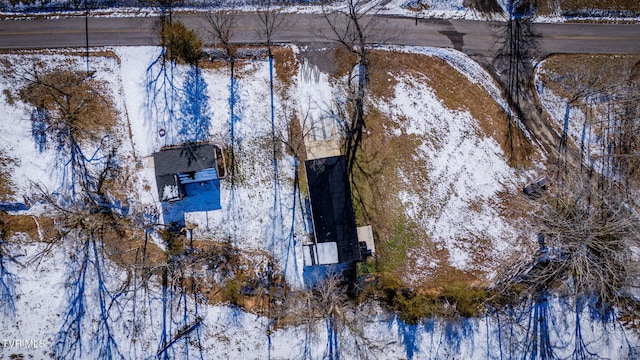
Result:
[{"x": 472, "y": 37}]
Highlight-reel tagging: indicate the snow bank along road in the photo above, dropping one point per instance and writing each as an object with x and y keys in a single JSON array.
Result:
[{"x": 472, "y": 37}]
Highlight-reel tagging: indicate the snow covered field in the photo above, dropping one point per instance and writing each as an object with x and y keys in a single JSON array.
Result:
[{"x": 262, "y": 210}]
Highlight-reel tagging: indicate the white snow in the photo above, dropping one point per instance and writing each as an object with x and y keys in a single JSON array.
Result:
[
  {"x": 438, "y": 9},
  {"x": 464, "y": 166},
  {"x": 169, "y": 192}
]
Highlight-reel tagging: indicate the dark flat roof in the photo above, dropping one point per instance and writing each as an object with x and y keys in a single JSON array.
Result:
[
  {"x": 332, "y": 207},
  {"x": 184, "y": 158}
]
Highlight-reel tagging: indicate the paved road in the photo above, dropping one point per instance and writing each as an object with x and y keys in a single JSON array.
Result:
[{"x": 472, "y": 37}]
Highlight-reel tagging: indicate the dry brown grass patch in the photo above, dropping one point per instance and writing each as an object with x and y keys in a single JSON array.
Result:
[
  {"x": 571, "y": 76},
  {"x": 454, "y": 90},
  {"x": 242, "y": 67},
  {"x": 213, "y": 65},
  {"x": 125, "y": 245},
  {"x": 376, "y": 184},
  {"x": 78, "y": 105},
  {"x": 27, "y": 224},
  {"x": 445, "y": 276},
  {"x": 389, "y": 164},
  {"x": 6, "y": 184},
  {"x": 12, "y": 224},
  {"x": 344, "y": 61},
  {"x": 286, "y": 64}
]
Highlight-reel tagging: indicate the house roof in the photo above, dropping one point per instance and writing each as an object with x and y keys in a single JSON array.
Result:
[
  {"x": 184, "y": 159},
  {"x": 177, "y": 162},
  {"x": 332, "y": 207}
]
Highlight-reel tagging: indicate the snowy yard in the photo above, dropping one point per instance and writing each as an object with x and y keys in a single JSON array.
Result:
[{"x": 452, "y": 195}]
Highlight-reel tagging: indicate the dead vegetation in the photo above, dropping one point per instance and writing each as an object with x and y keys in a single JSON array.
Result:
[
  {"x": 224, "y": 274},
  {"x": 572, "y": 7},
  {"x": 6, "y": 184},
  {"x": 577, "y": 77},
  {"x": 387, "y": 166},
  {"x": 603, "y": 89},
  {"x": 588, "y": 232},
  {"x": 588, "y": 222},
  {"x": 34, "y": 227},
  {"x": 73, "y": 101},
  {"x": 455, "y": 91},
  {"x": 286, "y": 65}
]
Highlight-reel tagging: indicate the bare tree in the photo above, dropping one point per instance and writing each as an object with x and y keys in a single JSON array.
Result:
[
  {"x": 271, "y": 21},
  {"x": 626, "y": 153},
  {"x": 351, "y": 29},
  {"x": 77, "y": 113},
  {"x": 94, "y": 305},
  {"x": 603, "y": 89},
  {"x": 221, "y": 25},
  {"x": 76, "y": 103},
  {"x": 88, "y": 219},
  {"x": 328, "y": 304},
  {"x": 589, "y": 233}
]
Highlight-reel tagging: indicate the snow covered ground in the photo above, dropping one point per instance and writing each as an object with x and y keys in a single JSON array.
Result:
[
  {"x": 262, "y": 211},
  {"x": 228, "y": 333},
  {"x": 443, "y": 9}
]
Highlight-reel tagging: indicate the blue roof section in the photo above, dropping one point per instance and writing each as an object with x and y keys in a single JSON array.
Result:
[
  {"x": 204, "y": 196},
  {"x": 187, "y": 180}
]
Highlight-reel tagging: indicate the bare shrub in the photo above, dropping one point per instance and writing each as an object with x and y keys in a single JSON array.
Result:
[
  {"x": 589, "y": 235},
  {"x": 78, "y": 104}
]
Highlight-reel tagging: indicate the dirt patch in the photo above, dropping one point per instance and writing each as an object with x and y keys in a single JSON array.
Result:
[
  {"x": 455, "y": 91},
  {"x": 6, "y": 184},
  {"x": 30, "y": 225},
  {"x": 286, "y": 64}
]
